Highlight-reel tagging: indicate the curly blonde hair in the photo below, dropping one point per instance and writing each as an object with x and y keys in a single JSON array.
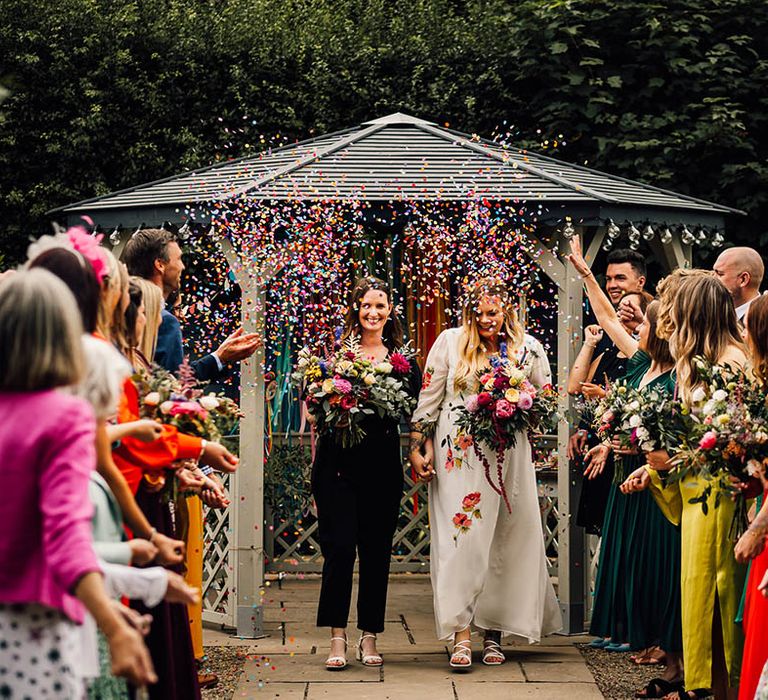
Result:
[
  {"x": 666, "y": 292},
  {"x": 471, "y": 352}
]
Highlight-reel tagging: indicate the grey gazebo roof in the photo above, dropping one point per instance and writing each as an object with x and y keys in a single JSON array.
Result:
[{"x": 399, "y": 157}]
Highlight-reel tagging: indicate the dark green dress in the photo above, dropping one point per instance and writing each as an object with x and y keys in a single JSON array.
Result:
[{"x": 637, "y": 592}]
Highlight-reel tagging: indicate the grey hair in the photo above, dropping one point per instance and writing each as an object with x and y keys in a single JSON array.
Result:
[{"x": 40, "y": 331}]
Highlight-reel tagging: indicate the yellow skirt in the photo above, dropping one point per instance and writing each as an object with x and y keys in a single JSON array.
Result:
[{"x": 194, "y": 573}]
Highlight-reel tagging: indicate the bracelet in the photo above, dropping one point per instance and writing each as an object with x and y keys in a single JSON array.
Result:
[
  {"x": 203, "y": 445},
  {"x": 207, "y": 471},
  {"x": 589, "y": 274}
]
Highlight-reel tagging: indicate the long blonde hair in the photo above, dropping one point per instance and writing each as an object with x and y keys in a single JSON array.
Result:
[
  {"x": 472, "y": 356},
  {"x": 666, "y": 293},
  {"x": 111, "y": 282},
  {"x": 152, "y": 296},
  {"x": 705, "y": 325}
]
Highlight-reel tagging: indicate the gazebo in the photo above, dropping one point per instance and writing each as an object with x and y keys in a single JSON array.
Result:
[{"x": 386, "y": 162}]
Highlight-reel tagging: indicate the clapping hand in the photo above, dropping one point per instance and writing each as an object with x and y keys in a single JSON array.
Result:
[{"x": 238, "y": 346}]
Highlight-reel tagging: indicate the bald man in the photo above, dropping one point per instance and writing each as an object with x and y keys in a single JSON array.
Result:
[{"x": 741, "y": 271}]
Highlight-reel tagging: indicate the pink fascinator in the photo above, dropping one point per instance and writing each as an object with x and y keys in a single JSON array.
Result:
[{"x": 89, "y": 247}]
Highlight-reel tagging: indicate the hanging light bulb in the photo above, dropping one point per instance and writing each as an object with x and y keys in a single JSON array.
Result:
[
  {"x": 184, "y": 230},
  {"x": 686, "y": 236},
  {"x": 568, "y": 230},
  {"x": 665, "y": 235},
  {"x": 648, "y": 233},
  {"x": 634, "y": 243},
  {"x": 114, "y": 237},
  {"x": 607, "y": 244},
  {"x": 613, "y": 230},
  {"x": 141, "y": 226},
  {"x": 717, "y": 239},
  {"x": 701, "y": 235}
]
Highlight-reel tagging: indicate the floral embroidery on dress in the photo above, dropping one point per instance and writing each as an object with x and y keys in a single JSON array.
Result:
[
  {"x": 450, "y": 461},
  {"x": 427, "y": 378},
  {"x": 456, "y": 449},
  {"x": 462, "y": 520}
]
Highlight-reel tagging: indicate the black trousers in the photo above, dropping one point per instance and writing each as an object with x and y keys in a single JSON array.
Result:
[{"x": 358, "y": 503}]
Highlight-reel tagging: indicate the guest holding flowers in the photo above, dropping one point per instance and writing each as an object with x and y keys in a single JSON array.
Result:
[
  {"x": 357, "y": 474},
  {"x": 488, "y": 565},
  {"x": 703, "y": 324}
]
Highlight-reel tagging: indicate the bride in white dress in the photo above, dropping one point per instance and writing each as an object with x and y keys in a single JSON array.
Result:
[{"x": 488, "y": 565}]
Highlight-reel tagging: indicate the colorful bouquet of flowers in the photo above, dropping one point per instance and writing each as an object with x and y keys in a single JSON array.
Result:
[
  {"x": 653, "y": 418},
  {"x": 179, "y": 402},
  {"x": 506, "y": 405},
  {"x": 345, "y": 387},
  {"x": 727, "y": 434},
  {"x": 613, "y": 412}
]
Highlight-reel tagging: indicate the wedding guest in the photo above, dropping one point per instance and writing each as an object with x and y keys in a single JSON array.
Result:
[
  {"x": 357, "y": 508},
  {"x": 600, "y": 361},
  {"x": 741, "y": 270},
  {"x": 703, "y": 323},
  {"x": 155, "y": 255},
  {"x": 751, "y": 545},
  {"x": 74, "y": 259},
  {"x": 637, "y": 592},
  {"x": 48, "y": 569},
  {"x": 488, "y": 569}
]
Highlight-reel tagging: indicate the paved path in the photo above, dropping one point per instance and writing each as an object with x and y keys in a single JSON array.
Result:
[{"x": 289, "y": 663}]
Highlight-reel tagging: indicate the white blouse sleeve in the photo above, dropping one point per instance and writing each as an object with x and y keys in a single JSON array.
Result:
[
  {"x": 541, "y": 373},
  {"x": 433, "y": 386},
  {"x": 147, "y": 585}
]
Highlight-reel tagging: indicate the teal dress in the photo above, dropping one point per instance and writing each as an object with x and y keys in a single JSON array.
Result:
[{"x": 637, "y": 591}]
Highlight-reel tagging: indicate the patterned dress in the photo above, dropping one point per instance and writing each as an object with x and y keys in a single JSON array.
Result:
[{"x": 488, "y": 566}]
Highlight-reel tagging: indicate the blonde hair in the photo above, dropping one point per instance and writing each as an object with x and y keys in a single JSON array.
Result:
[
  {"x": 705, "y": 325},
  {"x": 40, "y": 330},
  {"x": 111, "y": 282},
  {"x": 666, "y": 293},
  {"x": 471, "y": 353},
  {"x": 152, "y": 297}
]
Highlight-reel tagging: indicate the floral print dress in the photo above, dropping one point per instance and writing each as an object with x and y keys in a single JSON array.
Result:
[{"x": 488, "y": 566}]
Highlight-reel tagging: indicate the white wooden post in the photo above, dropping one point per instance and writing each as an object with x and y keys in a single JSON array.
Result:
[{"x": 247, "y": 484}]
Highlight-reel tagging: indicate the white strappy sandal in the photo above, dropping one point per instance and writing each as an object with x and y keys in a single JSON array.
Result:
[
  {"x": 460, "y": 652},
  {"x": 492, "y": 653},
  {"x": 332, "y": 662},
  {"x": 368, "y": 659}
]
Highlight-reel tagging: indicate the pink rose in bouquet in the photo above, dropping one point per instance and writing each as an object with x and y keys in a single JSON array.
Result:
[
  {"x": 501, "y": 382},
  {"x": 188, "y": 408},
  {"x": 525, "y": 401},
  {"x": 504, "y": 409},
  {"x": 708, "y": 440},
  {"x": 348, "y": 402}
]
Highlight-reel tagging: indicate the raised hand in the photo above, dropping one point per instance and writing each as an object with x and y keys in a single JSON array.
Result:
[{"x": 238, "y": 346}]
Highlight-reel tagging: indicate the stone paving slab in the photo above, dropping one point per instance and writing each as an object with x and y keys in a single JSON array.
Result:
[{"x": 289, "y": 663}]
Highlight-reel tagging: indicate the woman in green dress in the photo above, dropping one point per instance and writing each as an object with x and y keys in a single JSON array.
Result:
[{"x": 637, "y": 591}]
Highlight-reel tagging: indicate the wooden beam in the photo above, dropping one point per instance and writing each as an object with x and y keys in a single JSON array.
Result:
[
  {"x": 595, "y": 243},
  {"x": 546, "y": 260},
  {"x": 571, "y": 542}
]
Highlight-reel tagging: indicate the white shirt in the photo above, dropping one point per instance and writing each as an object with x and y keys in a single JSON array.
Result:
[{"x": 741, "y": 311}]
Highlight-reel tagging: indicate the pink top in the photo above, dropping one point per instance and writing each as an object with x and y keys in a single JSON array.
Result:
[{"x": 47, "y": 451}]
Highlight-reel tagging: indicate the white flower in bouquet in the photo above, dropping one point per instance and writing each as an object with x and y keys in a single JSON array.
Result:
[
  {"x": 709, "y": 408},
  {"x": 720, "y": 395},
  {"x": 344, "y": 367},
  {"x": 369, "y": 379},
  {"x": 723, "y": 419},
  {"x": 698, "y": 395},
  {"x": 327, "y": 386},
  {"x": 634, "y": 406},
  {"x": 516, "y": 375},
  {"x": 383, "y": 368},
  {"x": 166, "y": 406},
  {"x": 635, "y": 421},
  {"x": 209, "y": 403},
  {"x": 761, "y": 436},
  {"x": 152, "y": 398}
]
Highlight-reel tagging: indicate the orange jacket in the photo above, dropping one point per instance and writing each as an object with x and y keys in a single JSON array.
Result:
[{"x": 134, "y": 457}]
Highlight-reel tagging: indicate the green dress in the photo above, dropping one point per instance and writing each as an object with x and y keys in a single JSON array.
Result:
[{"x": 637, "y": 591}]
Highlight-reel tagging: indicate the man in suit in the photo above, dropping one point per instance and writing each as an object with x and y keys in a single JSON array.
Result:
[
  {"x": 741, "y": 270},
  {"x": 155, "y": 255}
]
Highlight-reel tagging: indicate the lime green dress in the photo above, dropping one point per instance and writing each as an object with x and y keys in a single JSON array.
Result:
[
  {"x": 709, "y": 574},
  {"x": 637, "y": 591}
]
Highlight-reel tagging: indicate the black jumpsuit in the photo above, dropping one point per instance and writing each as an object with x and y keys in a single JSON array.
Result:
[{"x": 358, "y": 491}]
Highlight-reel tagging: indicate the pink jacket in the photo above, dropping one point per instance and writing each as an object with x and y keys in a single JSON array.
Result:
[{"x": 47, "y": 451}]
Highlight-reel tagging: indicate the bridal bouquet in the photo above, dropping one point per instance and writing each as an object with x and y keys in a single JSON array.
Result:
[
  {"x": 178, "y": 401},
  {"x": 506, "y": 404},
  {"x": 727, "y": 435},
  {"x": 343, "y": 388}
]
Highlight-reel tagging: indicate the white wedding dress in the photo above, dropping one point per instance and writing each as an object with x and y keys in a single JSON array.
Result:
[{"x": 488, "y": 566}]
